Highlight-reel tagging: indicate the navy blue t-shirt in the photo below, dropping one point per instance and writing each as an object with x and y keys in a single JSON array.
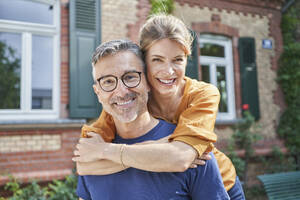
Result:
[{"x": 203, "y": 182}]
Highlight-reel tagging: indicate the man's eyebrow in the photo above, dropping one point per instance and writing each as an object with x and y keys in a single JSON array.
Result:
[
  {"x": 132, "y": 70},
  {"x": 104, "y": 76},
  {"x": 126, "y": 71}
]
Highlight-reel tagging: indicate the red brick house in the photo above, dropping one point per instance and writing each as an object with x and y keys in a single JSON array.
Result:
[{"x": 45, "y": 60}]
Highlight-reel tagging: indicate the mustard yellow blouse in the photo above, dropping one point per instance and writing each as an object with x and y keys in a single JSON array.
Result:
[{"x": 195, "y": 119}]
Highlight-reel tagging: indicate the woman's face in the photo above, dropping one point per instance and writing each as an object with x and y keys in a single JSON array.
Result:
[{"x": 166, "y": 62}]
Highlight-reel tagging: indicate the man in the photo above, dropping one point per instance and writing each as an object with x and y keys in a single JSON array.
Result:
[{"x": 122, "y": 89}]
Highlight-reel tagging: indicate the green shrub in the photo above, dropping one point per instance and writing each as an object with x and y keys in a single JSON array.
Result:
[
  {"x": 289, "y": 73},
  {"x": 289, "y": 80},
  {"x": 244, "y": 136},
  {"x": 289, "y": 129},
  {"x": 31, "y": 192},
  {"x": 238, "y": 162},
  {"x": 56, "y": 190},
  {"x": 63, "y": 190},
  {"x": 161, "y": 6},
  {"x": 273, "y": 163}
]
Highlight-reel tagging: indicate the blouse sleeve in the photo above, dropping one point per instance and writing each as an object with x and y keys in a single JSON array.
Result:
[
  {"x": 104, "y": 126},
  {"x": 197, "y": 120}
]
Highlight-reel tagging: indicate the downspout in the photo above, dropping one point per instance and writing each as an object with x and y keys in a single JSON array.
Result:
[{"x": 287, "y": 5}]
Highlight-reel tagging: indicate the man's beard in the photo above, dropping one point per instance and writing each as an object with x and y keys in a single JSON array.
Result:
[{"x": 130, "y": 114}]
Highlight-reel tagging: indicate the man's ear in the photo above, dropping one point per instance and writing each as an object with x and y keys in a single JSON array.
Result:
[
  {"x": 97, "y": 92},
  {"x": 148, "y": 87}
]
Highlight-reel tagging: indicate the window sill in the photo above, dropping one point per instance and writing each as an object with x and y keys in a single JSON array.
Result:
[
  {"x": 227, "y": 121},
  {"x": 41, "y": 124}
]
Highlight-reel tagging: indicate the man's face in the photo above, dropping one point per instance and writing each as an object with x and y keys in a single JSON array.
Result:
[{"x": 123, "y": 103}]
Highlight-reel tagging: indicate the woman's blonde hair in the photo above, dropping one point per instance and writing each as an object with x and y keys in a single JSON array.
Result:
[{"x": 163, "y": 26}]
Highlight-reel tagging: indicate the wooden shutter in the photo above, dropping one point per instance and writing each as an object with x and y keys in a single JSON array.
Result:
[
  {"x": 248, "y": 72},
  {"x": 85, "y": 35},
  {"x": 192, "y": 63}
]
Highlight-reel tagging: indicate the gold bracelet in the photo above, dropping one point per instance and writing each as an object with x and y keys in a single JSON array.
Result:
[{"x": 121, "y": 155}]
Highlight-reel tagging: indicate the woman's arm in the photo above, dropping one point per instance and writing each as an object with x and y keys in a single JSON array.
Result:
[
  {"x": 166, "y": 157},
  {"x": 99, "y": 167},
  {"x": 105, "y": 167},
  {"x": 104, "y": 126},
  {"x": 157, "y": 157},
  {"x": 196, "y": 121}
]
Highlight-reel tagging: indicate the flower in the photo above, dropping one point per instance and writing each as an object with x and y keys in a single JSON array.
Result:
[{"x": 245, "y": 106}]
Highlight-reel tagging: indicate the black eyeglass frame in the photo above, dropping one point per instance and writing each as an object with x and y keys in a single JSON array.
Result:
[{"x": 139, "y": 73}]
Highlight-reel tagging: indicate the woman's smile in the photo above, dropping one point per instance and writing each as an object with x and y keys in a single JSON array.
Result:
[{"x": 166, "y": 62}]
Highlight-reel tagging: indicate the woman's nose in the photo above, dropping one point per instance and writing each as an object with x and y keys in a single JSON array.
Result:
[{"x": 169, "y": 69}]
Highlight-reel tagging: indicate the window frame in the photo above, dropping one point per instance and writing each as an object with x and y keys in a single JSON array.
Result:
[
  {"x": 27, "y": 29},
  {"x": 212, "y": 62}
]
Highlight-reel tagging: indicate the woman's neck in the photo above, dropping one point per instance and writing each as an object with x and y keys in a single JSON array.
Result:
[{"x": 165, "y": 105}]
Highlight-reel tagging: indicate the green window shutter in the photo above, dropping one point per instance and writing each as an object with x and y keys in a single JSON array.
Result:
[
  {"x": 248, "y": 70},
  {"x": 84, "y": 35},
  {"x": 192, "y": 62}
]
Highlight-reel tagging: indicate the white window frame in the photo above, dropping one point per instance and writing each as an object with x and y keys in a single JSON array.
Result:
[
  {"x": 26, "y": 30},
  {"x": 212, "y": 62}
]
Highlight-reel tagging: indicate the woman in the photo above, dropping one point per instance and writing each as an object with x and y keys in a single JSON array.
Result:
[{"x": 192, "y": 105}]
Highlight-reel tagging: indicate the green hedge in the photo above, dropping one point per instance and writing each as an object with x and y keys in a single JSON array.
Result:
[
  {"x": 161, "y": 6},
  {"x": 289, "y": 80},
  {"x": 56, "y": 190}
]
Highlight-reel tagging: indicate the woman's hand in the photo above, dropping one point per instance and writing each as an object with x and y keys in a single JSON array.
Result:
[
  {"x": 200, "y": 160},
  {"x": 89, "y": 149}
]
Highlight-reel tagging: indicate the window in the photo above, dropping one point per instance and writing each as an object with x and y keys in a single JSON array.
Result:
[
  {"x": 29, "y": 59},
  {"x": 217, "y": 68}
]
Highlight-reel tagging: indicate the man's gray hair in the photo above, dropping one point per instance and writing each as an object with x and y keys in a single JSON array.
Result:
[{"x": 113, "y": 47}]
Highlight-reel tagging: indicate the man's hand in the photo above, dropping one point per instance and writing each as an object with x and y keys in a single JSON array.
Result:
[
  {"x": 89, "y": 149},
  {"x": 200, "y": 160}
]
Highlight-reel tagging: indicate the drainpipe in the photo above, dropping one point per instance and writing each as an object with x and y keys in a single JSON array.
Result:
[{"x": 287, "y": 5}]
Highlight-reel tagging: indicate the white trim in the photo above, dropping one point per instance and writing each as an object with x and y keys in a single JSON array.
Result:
[
  {"x": 230, "y": 80},
  {"x": 23, "y": 73},
  {"x": 27, "y": 30},
  {"x": 213, "y": 74},
  {"x": 16, "y": 26},
  {"x": 27, "y": 69},
  {"x": 50, "y": 2},
  {"x": 56, "y": 70},
  {"x": 227, "y": 62},
  {"x": 56, "y": 12},
  {"x": 27, "y": 116}
]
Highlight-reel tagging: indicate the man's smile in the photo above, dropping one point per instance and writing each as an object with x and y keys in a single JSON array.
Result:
[{"x": 125, "y": 104}]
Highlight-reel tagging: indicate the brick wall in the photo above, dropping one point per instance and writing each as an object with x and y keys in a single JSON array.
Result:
[
  {"x": 143, "y": 9},
  {"x": 28, "y": 143},
  {"x": 115, "y": 16},
  {"x": 43, "y": 154}
]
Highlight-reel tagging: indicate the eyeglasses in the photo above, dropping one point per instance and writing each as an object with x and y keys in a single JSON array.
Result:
[{"x": 130, "y": 79}]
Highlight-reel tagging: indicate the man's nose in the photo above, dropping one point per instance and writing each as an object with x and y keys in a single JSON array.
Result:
[{"x": 121, "y": 89}]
